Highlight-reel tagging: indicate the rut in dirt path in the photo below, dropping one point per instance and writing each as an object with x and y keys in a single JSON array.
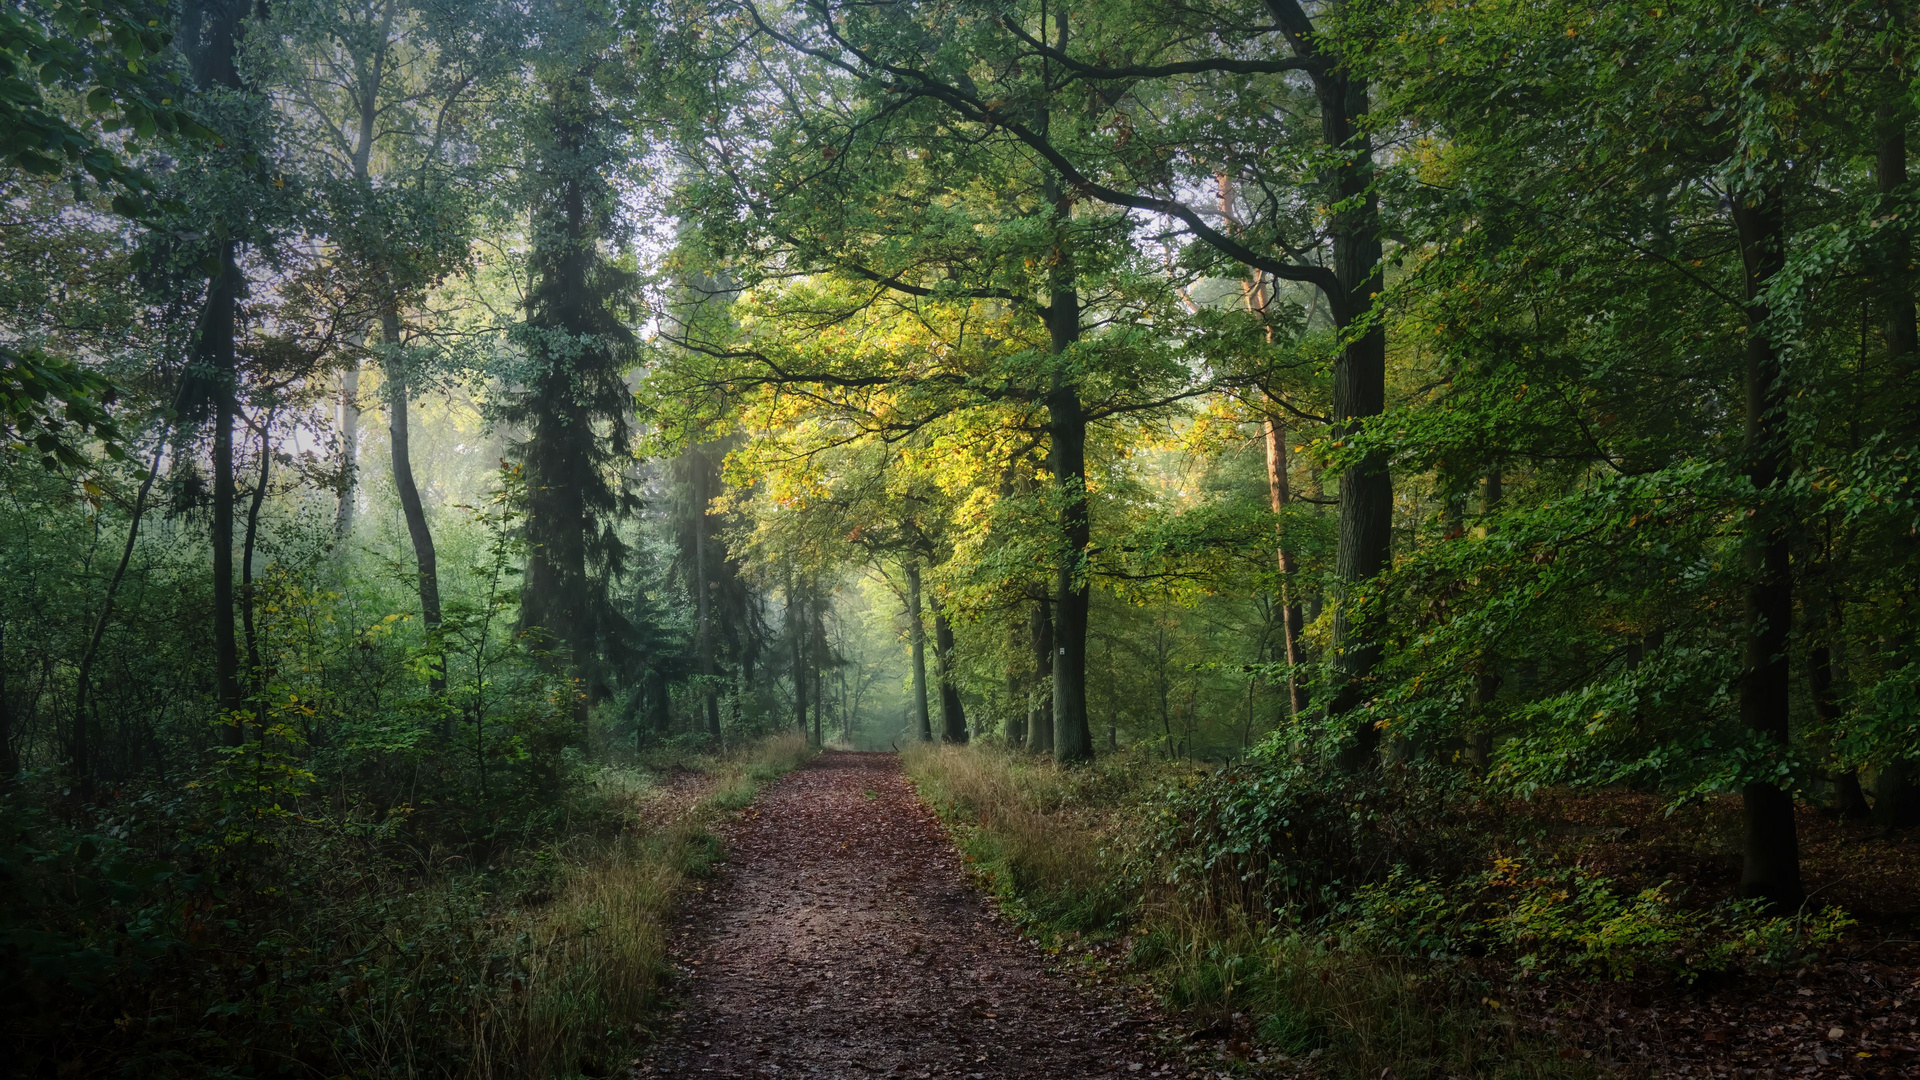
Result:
[{"x": 843, "y": 940}]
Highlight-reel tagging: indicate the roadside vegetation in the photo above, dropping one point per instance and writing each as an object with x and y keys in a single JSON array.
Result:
[
  {"x": 1399, "y": 929},
  {"x": 1440, "y": 480},
  {"x": 345, "y": 946}
]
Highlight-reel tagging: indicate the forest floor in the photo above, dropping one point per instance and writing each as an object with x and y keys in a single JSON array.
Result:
[
  {"x": 842, "y": 938},
  {"x": 1854, "y": 1012}
]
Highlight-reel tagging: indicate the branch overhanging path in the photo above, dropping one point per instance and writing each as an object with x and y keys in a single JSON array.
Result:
[{"x": 842, "y": 939}]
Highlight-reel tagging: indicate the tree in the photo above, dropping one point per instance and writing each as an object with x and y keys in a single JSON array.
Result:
[
  {"x": 379, "y": 94},
  {"x": 1161, "y": 63},
  {"x": 955, "y": 236},
  {"x": 574, "y": 401}
]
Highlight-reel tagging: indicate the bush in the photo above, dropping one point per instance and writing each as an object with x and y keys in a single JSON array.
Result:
[
  {"x": 1570, "y": 921},
  {"x": 1294, "y": 839},
  {"x": 330, "y": 945}
]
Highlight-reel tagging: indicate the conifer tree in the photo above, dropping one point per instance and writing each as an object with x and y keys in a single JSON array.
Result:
[{"x": 573, "y": 402}]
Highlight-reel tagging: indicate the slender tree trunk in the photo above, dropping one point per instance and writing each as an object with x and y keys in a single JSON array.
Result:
[
  {"x": 1256, "y": 295},
  {"x": 817, "y": 635},
  {"x": 1291, "y": 624},
  {"x": 349, "y": 450},
  {"x": 703, "y": 599},
  {"x": 79, "y": 752},
  {"x": 1771, "y": 867},
  {"x": 9, "y": 756},
  {"x": 426, "y": 561},
  {"x": 255, "y": 674},
  {"x": 1822, "y": 614},
  {"x": 1017, "y": 688},
  {"x": 846, "y": 713},
  {"x": 1359, "y": 377},
  {"x": 1067, "y": 460},
  {"x": 917, "y": 639},
  {"x": 216, "y": 352},
  {"x": 1849, "y": 799},
  {"x": 1040, "y": 701},
  {"x": 953, "y": 716},
  {"x": 797, "y": 635}
]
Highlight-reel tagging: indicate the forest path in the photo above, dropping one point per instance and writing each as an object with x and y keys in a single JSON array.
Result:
[{"x": 842, "y": 939}]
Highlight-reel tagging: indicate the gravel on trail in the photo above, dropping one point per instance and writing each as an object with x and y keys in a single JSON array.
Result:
[{"x": 841, "y": 938}]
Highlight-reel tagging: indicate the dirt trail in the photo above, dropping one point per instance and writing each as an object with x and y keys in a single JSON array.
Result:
[{"x": 843, "y": 940}]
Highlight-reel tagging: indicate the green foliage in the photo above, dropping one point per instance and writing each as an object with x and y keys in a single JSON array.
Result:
[
  {"x": 110, "y": 54},
  {"x": 46, "y": 403},
  {"x": 1290, "y": 840},
  {"x": 1567, "y": 921},
  {"x": 1094, "y": 853}
]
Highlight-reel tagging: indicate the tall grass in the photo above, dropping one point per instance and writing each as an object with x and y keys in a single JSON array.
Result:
[
  {"x": 1030, "y": 831},
  {"x": 1061, "y": 848},
  {"x": 561, "y": 983}
]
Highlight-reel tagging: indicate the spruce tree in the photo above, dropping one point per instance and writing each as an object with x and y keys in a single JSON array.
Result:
[{"x": 573, "y": 403}]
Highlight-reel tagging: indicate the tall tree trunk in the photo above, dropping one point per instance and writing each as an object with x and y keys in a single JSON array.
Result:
[
  {"x": 953, "y": 716},
  {"x": 1254, "y": 292},
  {"x": 79, "y": 752},
  {"x": 1896, "y": 793},
  {"x": 1017, "y": 688},
  {"x": 817, "y": 636},
  {"x": 216, "y": 353},
  {"x": 1359, "y": 393},
  {"x": 703, "y": 598},
  {"x": 9, "y": 755},
  {"x": 797, "y": 647},
  {"x": 256, "y": 675},
  {"x": 349, "y": 450},
  {"x": 211, "y": 36},
  {"x": 917, "y": 639},
  {"x": 1359, "y": 375},
  {"x": 1067, "y": 460},
  {"x": 1771, "y": 867},
  {"x": 426, "y": 561},
  {"x": 1291, "y": 624},
  {"x": 1040, "y": 700}
]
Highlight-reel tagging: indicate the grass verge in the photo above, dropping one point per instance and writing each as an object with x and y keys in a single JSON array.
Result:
[
  {"x": 1059, "y": 849},
  {"x": 598, "y": 959},
  {"x": 557, "y": 974}
]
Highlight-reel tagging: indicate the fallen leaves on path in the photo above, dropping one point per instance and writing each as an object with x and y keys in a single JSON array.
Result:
[{"x": 843, "y": 940}]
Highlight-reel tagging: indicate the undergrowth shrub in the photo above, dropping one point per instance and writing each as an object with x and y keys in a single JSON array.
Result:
[
  {"x": 1294, "y": 838},
  {"x": 338, "y": 946},
  {"x": 1555, "y": 921},
  {"x": 1371, "y": 921}
]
